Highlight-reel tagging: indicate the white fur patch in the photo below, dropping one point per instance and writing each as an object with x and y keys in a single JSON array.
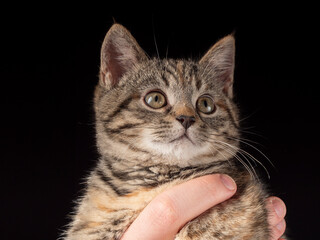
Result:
[{"x": 178, "y": 149}]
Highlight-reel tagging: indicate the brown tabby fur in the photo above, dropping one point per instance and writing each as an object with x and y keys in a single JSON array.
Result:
[{"x": 142, "y": 154}]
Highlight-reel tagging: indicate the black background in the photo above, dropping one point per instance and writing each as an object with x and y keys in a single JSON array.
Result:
[{"x": 49, "y": 67}]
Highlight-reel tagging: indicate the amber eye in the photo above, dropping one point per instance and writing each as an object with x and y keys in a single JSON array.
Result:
[
  {"x": 206, "y": 105},
  {"x": 155, "y": 100}
]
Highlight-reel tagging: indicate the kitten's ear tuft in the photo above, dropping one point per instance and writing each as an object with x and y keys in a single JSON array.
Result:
[
  {"x": 219, "y": 61},
  {"x": 120, "y": 53}
]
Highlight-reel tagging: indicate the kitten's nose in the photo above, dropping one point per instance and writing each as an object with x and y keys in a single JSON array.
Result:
[{"x": 186, "y": 121}]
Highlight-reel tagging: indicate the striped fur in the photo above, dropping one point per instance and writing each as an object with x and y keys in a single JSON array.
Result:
[{"x": 145, "y": 151}]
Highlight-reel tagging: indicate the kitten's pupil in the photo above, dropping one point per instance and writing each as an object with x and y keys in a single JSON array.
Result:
[
  {"x": 205, "y": 103},
  {"x": 156, "y": 98}
]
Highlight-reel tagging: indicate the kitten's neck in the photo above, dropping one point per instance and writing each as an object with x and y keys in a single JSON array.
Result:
[{"x": 124, "y": 179}]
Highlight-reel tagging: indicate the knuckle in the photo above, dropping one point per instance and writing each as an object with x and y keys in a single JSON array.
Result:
[
  {"x": 164, "y": 212},
  {"x": 213, "y": 190}
]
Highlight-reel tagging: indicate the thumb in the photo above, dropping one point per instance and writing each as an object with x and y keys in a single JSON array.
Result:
[{"x": 168, "y": 212}]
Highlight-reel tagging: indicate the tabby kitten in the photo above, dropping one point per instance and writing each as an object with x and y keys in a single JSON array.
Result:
[{"x": 160, "y": 123}]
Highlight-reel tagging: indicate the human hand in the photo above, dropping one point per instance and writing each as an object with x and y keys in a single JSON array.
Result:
[
  {"x": 277, "y": 211},
  {"x": 172, "y": 209}
]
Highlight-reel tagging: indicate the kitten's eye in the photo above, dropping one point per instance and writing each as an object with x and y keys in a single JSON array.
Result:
[
  {"x": 155, "y": 100},
  {"x": 206, "y": 105}
]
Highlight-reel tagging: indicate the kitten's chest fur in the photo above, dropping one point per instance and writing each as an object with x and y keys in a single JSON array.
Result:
[{"x": 107, "y": 208}]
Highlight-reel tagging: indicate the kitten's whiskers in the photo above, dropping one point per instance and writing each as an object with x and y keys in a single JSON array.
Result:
[
  {"x": 245, "y": 141},
  {"x": 234, "y": 152}
]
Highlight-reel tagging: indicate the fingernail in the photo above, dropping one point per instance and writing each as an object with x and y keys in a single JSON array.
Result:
[
  {"x": 228, "y": 182},
  {"x": 278, "y": 207},
  {"x": 280, "y": 225}
]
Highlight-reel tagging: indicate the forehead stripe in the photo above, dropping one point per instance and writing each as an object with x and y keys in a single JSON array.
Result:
[
  {"x": 170, "y": 68},
  {"x": 164, "y": 79},
  {"x": 180, "y": 70}
]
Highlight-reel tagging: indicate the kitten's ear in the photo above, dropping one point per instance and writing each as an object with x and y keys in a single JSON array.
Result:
[
  {"x": 120, "y": 52},
  {"x": 219, "y": 61}
]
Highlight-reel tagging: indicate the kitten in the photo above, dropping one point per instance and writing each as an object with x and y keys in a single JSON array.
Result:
[{"x": 160, "y": 123}]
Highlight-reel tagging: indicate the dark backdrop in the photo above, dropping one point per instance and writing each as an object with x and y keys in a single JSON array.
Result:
[{"x": 49, "y": 67}]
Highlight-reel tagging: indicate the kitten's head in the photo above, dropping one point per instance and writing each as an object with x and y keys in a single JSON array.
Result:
[{"x": 170, "y": 111}]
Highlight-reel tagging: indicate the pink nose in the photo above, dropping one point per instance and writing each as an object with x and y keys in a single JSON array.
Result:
[{"x": 186, "y": 121}]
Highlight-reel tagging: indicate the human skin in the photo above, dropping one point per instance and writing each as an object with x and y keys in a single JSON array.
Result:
[{"x": 168, "y": 212}]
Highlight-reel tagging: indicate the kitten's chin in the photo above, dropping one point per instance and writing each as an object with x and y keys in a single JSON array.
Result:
[{"x": 181, "y": 152}]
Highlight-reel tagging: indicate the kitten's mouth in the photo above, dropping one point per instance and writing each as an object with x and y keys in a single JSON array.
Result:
[{"x": 182, "y": 137}]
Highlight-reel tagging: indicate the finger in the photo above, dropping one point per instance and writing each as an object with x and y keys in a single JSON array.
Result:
[
  {"x": 277, "y": 211},
  {"x": 278, "y": 230},
  {"x": 168, "y": 212}
]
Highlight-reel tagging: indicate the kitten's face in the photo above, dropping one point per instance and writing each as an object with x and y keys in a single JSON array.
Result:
[{"x": 178, "y": 111}]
